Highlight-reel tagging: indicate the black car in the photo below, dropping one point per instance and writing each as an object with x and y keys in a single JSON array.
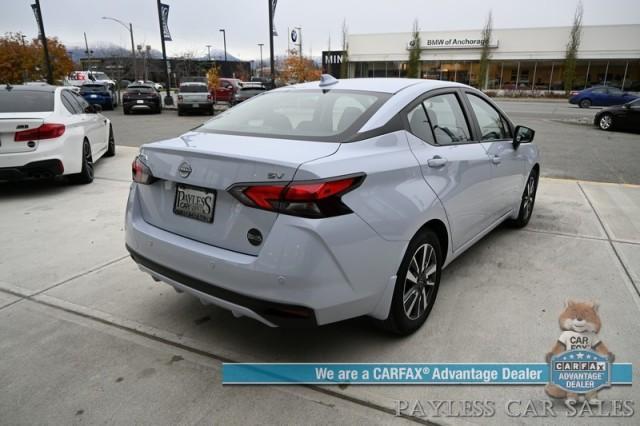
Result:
[
  {"x": 620, "y": 117},
  {"x": 141, "y": 97}
]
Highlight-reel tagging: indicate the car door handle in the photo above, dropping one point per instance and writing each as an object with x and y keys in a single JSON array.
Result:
[
  {"x": 436, "y": 162},
  {"x": 496, "y": 159}
]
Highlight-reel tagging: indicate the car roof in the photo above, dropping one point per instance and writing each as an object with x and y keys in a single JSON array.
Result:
[
  {"x": 30, "y": 87},
  {"x": 384, "y": 85},
  {"x": 193, "y": 83},
  {"x": 134, "y": 85}
]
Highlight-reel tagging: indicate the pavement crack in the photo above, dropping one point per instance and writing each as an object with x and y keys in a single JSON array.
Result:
[
  {"x": 613, "y": 247},
  {"x": 81, "y": 274}
]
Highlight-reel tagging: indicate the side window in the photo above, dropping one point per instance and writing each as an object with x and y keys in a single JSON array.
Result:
[
  {"x": 419, "y": 124},
  {"x": 615, "y": 91},
  {"x": 83, "y": 104},
  {"x": 492, "y": 125},
  {"x": 447, "y": 119},
  {"x": 599, "y": 91},
  {"x": 70, "y": 103}
]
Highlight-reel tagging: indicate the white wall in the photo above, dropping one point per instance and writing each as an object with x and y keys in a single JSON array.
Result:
[{"x": 598, "y": 42}]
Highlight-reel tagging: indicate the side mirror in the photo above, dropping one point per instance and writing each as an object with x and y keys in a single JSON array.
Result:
[{"x": 522, "y": 134}]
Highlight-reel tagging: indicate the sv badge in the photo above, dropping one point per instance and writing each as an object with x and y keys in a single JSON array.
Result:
[{"x": 274, "y": 175}]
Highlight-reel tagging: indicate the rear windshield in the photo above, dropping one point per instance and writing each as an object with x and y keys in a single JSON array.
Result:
[
  {"x": 193, "y": 88},
  {"x": 332, "y": 115},
  {"x": 89, "y": 88},
  {"x": 25, "y": 100},
  {"x": 141, "y": 89}
]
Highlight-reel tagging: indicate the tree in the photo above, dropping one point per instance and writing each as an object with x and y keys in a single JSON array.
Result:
[
  {"x": 571, "y": 53},
  {"x": 344, "y": 65},
  {"x": 485, "y": 54},
  {"x": 413, "y": 65},
  {"x": 213, "y": 77},
  {"x": 299, "y": 69},
  {"x": 22, "y": 60}
]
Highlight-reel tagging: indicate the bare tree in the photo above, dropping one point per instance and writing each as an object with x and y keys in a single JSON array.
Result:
[
  {"x": 573, "y": 45},
  {"x": 344, "y": 65},
  {"x": 485, "y": 54},
  {"x": 413, "y": 65}
]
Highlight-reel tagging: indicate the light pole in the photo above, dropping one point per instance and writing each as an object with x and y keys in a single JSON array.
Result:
[
  {"x": 271, "y": 57},
  {"x": 261, "y": 71},
  {"x": 133, "y": 49},
  {"x": 224, "y": 40},
  {"x": 209, "y": 52}
]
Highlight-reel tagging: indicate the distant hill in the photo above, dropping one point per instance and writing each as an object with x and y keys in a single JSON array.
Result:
[{"x": 111, "y": 50}]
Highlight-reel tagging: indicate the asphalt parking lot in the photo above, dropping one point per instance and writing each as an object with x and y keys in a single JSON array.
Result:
[
  {"x": 571, "y": 147},
  {"x": 85, "y": 337}
]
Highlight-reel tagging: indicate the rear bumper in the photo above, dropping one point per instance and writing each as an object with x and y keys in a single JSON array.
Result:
[
  {"x": 307, "y": 272},
  {"x": 144, "y": 105},
  {"x": 206, "y": 106},
  {"x": 35, "y": 169},
  {"x": 270, "y": 313}
]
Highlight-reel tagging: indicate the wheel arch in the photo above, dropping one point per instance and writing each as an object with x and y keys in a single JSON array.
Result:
[{"x": 441, "y": 231}]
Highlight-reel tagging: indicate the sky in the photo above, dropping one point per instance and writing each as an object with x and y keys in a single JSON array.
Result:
[{"x": 196, "y": 23}]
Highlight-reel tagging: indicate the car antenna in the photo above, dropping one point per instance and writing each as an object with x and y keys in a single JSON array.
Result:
[{"x": 327, "y": 80}]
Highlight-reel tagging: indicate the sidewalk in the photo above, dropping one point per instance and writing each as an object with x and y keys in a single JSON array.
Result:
[{"x": 86, "y": 337}]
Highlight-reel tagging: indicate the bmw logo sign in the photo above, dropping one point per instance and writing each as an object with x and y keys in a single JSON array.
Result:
[
  {"x": 184, "y": 169},
  {"x": 294, "y": 36}
]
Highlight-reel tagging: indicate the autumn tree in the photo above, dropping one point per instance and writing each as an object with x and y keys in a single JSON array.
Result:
[
  {"x": 298, "y": 68},
  {"x": 485, "y": 53},
  {"x": 213, "y": 77},
  {"x": 571, "y": 53},
  {"x": 413, "y": 65},
  {"x": 22, "y": 60},
  {"x": 344, "y": 65}
]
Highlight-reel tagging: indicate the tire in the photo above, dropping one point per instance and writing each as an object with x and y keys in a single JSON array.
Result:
[
  {"x": 210, "y": 112},
  {"x": 527, "y": 202},
  {"x": 407, "y": 317},
  {"x": 86, "y": 175},
  {"x": 180, "y": 112},
  {"x": 605, "y": 122},
  {"x": 585, "y": 103},
  {"x": 159, "y": 110},
  {"x": 111, "y": 145},
  {"x": 126, "y": 111}
]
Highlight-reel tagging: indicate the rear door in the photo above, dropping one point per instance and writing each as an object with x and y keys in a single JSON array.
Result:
[
  {"x": 94, "y": 124},
  {"x": 455, "y": 166},
  {"x": 507, "y": 167}
]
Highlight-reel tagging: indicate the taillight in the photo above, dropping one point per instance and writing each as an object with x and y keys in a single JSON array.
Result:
[
  {"x": 180, "y": 97},
  {"x": 209, "y": 97},
  {"x": 45, "y": 131},
  {"x": 312, "y": 199},
  {"x": 140, "y": 172}
]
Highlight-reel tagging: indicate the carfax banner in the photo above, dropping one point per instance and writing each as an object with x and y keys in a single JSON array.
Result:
[{"x": 577, "y": 375}]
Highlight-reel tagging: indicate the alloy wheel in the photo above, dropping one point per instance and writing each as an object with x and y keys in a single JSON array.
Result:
[
  {"x": 605, "y": 122},
  {"x": 420, "y": 282},
  {"x": 88, "y": 160},
  {"x": 529, "y": 196}
]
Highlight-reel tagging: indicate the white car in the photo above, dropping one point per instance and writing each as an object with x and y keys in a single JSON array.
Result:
[{"x": 47, "y": 131}]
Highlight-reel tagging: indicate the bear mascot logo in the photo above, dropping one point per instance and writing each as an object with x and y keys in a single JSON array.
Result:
[{"x": 580, "y": 325}]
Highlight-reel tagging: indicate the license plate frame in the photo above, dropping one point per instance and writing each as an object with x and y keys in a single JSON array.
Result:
[
  {"x": 139, "y": 101},
  {"x": 181, "y": 210},
  {"x": 195, "y": 105}
]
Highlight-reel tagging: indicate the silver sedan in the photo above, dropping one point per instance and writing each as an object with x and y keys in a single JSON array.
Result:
[{"x": 323, "y": 201}]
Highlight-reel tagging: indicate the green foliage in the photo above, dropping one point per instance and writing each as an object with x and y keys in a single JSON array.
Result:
[
  {"x": 485, "y": 54},
  {"x": 413, "y": 65},
  {"x": 571, "y": 53}
]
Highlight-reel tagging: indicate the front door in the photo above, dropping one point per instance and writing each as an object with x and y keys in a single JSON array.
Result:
[{"x": 507, "y": 167}]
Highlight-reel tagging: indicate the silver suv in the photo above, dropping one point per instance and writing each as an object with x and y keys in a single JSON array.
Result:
[{"x": 194, "y": 96}]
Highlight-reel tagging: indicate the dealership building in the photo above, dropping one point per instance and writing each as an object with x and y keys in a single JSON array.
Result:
[{"x": 522, "y": 58}]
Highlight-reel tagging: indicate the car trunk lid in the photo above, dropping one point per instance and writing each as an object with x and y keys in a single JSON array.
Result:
[
  {"x": 216, "y": 162},
  {"x": 10, "y": 123}
]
